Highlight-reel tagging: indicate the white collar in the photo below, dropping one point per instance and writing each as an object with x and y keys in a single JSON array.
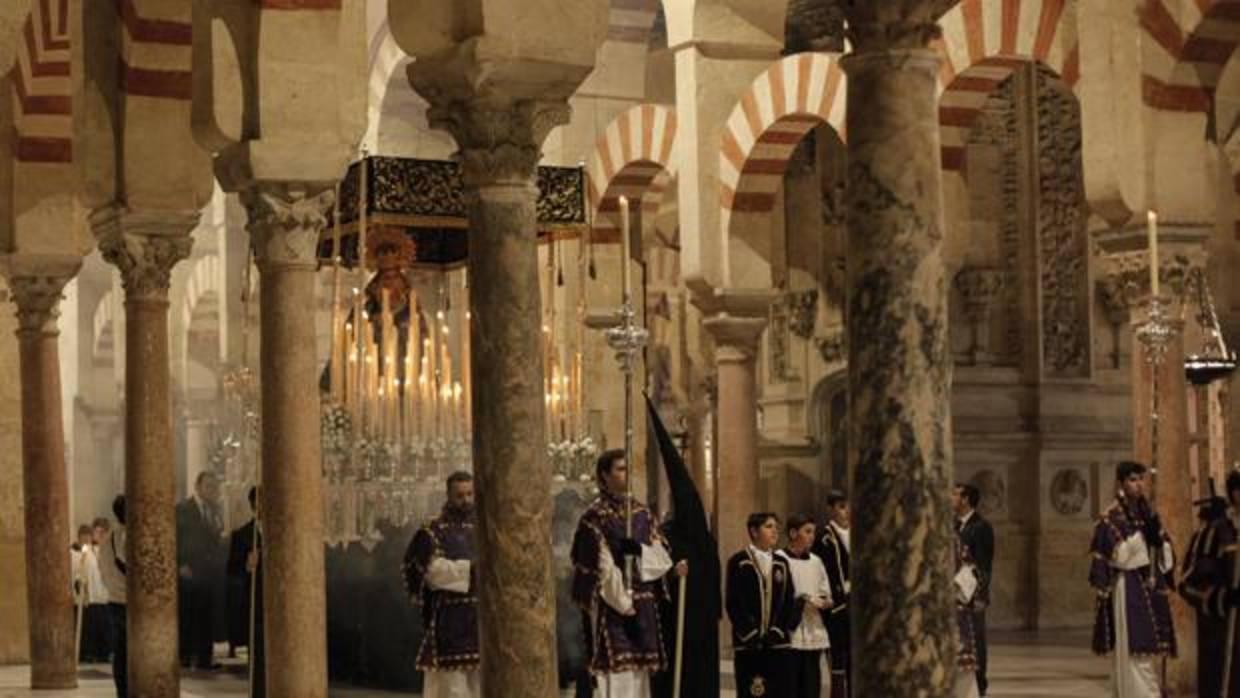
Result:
[{"x": 965, "y": 519}]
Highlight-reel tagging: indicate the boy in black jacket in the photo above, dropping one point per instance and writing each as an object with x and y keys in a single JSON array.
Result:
[{"x": 762, "y": 606}]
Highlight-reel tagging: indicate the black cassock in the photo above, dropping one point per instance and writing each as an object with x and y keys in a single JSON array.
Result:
[
  {"x": 764, "y": 612},
  {"x": 689, "y": 538},
  {"x": 239, "y": 546},
  {"x": 449, "y": 618},
  {"x": 1208, "y": 569}
]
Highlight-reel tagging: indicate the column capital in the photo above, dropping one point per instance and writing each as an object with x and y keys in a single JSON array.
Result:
[
  {"x": 144, "y": 246},
  {"x": 883, "y": 25},
  {"x": 36, "y": 284},
  {"x": 499, "y": 142},
  {"x": 891, "y": 58},
  {"x": 736, "y": 338},
  {"x": 286, "y": 221}
]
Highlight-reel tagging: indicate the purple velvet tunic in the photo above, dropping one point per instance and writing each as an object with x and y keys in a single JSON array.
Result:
[
  {"x": 1146, "y": 604},
  {"x": 616, "y": 643},
  {"x": 450, "y": 618}
]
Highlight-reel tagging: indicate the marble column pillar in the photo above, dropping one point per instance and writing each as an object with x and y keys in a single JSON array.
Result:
[
  {"x": 45, "y": 484},
  {"x": 899, "y": 371},
  {"x": 285, "y": 223},
  {"x": 499, "y": 153},
  {"x": 145, "y": 247},
  {"x": 1172, "y": 483},
  {"x": 739, "y": 479}
]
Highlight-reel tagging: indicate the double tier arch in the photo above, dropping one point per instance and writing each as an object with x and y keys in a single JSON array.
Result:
[
  {"x": 633, "y": 158},
  {"x": 787, "y": 101},
  {"x": 983, "y": 42}
]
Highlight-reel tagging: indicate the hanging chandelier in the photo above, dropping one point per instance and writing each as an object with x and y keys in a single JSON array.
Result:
[{"x": 1215, "y": 360}]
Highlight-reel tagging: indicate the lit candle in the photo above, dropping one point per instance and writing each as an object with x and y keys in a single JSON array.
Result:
[
  {"x": 626, "y": 243},
  {"x": 1152, "y": 220}
]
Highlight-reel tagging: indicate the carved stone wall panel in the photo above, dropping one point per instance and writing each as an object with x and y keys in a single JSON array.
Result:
[
  {"x": 1061, "y": 235},
  {"x": 999, "y": 128}
]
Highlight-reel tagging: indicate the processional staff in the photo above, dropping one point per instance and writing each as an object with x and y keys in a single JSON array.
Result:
[
  {"x": 1155, "y": 334},
  {"x": 627, "y": 339}
]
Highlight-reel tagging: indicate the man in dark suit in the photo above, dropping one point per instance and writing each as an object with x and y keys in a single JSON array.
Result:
[
  {"x": 200, "y": 566},
  {"x": 976, "y": 535}
]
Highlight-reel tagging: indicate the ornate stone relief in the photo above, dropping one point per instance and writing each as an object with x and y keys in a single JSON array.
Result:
[
  {"x": 1062, "y": 249},
  {"x": 37, "y": 298},
  {"x": 803, "y": 311},
  {"x": 814, "y": 25},
  {"x": 832, "y": 346},
  {"x": 781, "y": 361},
  {"x": 980, "y": 289},
  {"x": 998, "y": 127},
  {"x": 1069, "y": 492}
]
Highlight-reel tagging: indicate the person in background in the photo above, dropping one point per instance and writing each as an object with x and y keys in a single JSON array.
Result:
[
  {"x": 762, "y": 606},
  {"x": 440, "y": 575},
  {"x": 244, "y": 566},
  {"x": 200, "y": 563},
  {"x": 812, "y": 587},
  {"x": 833, "y": 548},
  {"x": 91, "y": 598},
  {"x": 1209, "y": 586},
  {"x": 112, "y": 570},
  {"x": 1132, "y": 561},
  {"x": 978, "y": 537},
  {"x": 624, "y": 636}
]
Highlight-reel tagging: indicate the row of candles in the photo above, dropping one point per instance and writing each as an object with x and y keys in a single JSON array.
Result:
[{"x": 398, "y": 399}]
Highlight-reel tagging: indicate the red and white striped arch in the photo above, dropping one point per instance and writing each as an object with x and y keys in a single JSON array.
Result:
[
  {"x": 633, "y": 158},
  {"x": 783, "y": 104},
  {"x": 983, "y": 42},
  {"x": 156, "y": 49},
  {"x": 43, "y": 111},
  {"x": 1191, "y": 42}
]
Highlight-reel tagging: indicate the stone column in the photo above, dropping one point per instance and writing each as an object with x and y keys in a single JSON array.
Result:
[
  {"x": 738, "y": 481},
  {"x": 144, "y": 247},
  {"x": 1172, "y": 494},
  {"x": 499, "y": 154},
  {"x": 285, "y": 223},
  {"x": 899, "y": 370},
  {"x": 36, "y": 291}
]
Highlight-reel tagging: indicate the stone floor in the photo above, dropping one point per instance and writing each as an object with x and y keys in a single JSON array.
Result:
[{"x": 1023, "y": 665}]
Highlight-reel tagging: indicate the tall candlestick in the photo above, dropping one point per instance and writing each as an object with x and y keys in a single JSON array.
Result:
[
  {"x": 626, "y": 244},
  {"x": 1152, "y": 220},
  {"x": 337, "y": 335},
  {"x": 363, "y": 195}
]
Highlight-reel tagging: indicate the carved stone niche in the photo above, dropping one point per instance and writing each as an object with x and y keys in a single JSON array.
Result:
[
  {"x": 1116, "y": 295},
  {"x": 980, "y": 288}
]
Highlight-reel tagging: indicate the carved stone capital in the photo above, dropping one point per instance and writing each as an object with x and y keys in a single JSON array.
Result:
[
  {"x": 144, "y": 246},
  {"x": 891, "y": 59},
  {"x": 286, "y": 222},
  {"x": 36, "y": 285},
  {"x": 498, "y": 143}
]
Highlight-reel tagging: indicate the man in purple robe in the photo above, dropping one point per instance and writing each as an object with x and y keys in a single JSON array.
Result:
[
  {"x": 439, "y": 574},
  {"x": 1130, "y": 574},
  {"x": 623, "y": 632},
  {"x": 1211, "y": 586}
]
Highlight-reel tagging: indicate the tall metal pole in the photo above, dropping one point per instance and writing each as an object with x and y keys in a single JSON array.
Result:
[{"x": 627, "y": 339}]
